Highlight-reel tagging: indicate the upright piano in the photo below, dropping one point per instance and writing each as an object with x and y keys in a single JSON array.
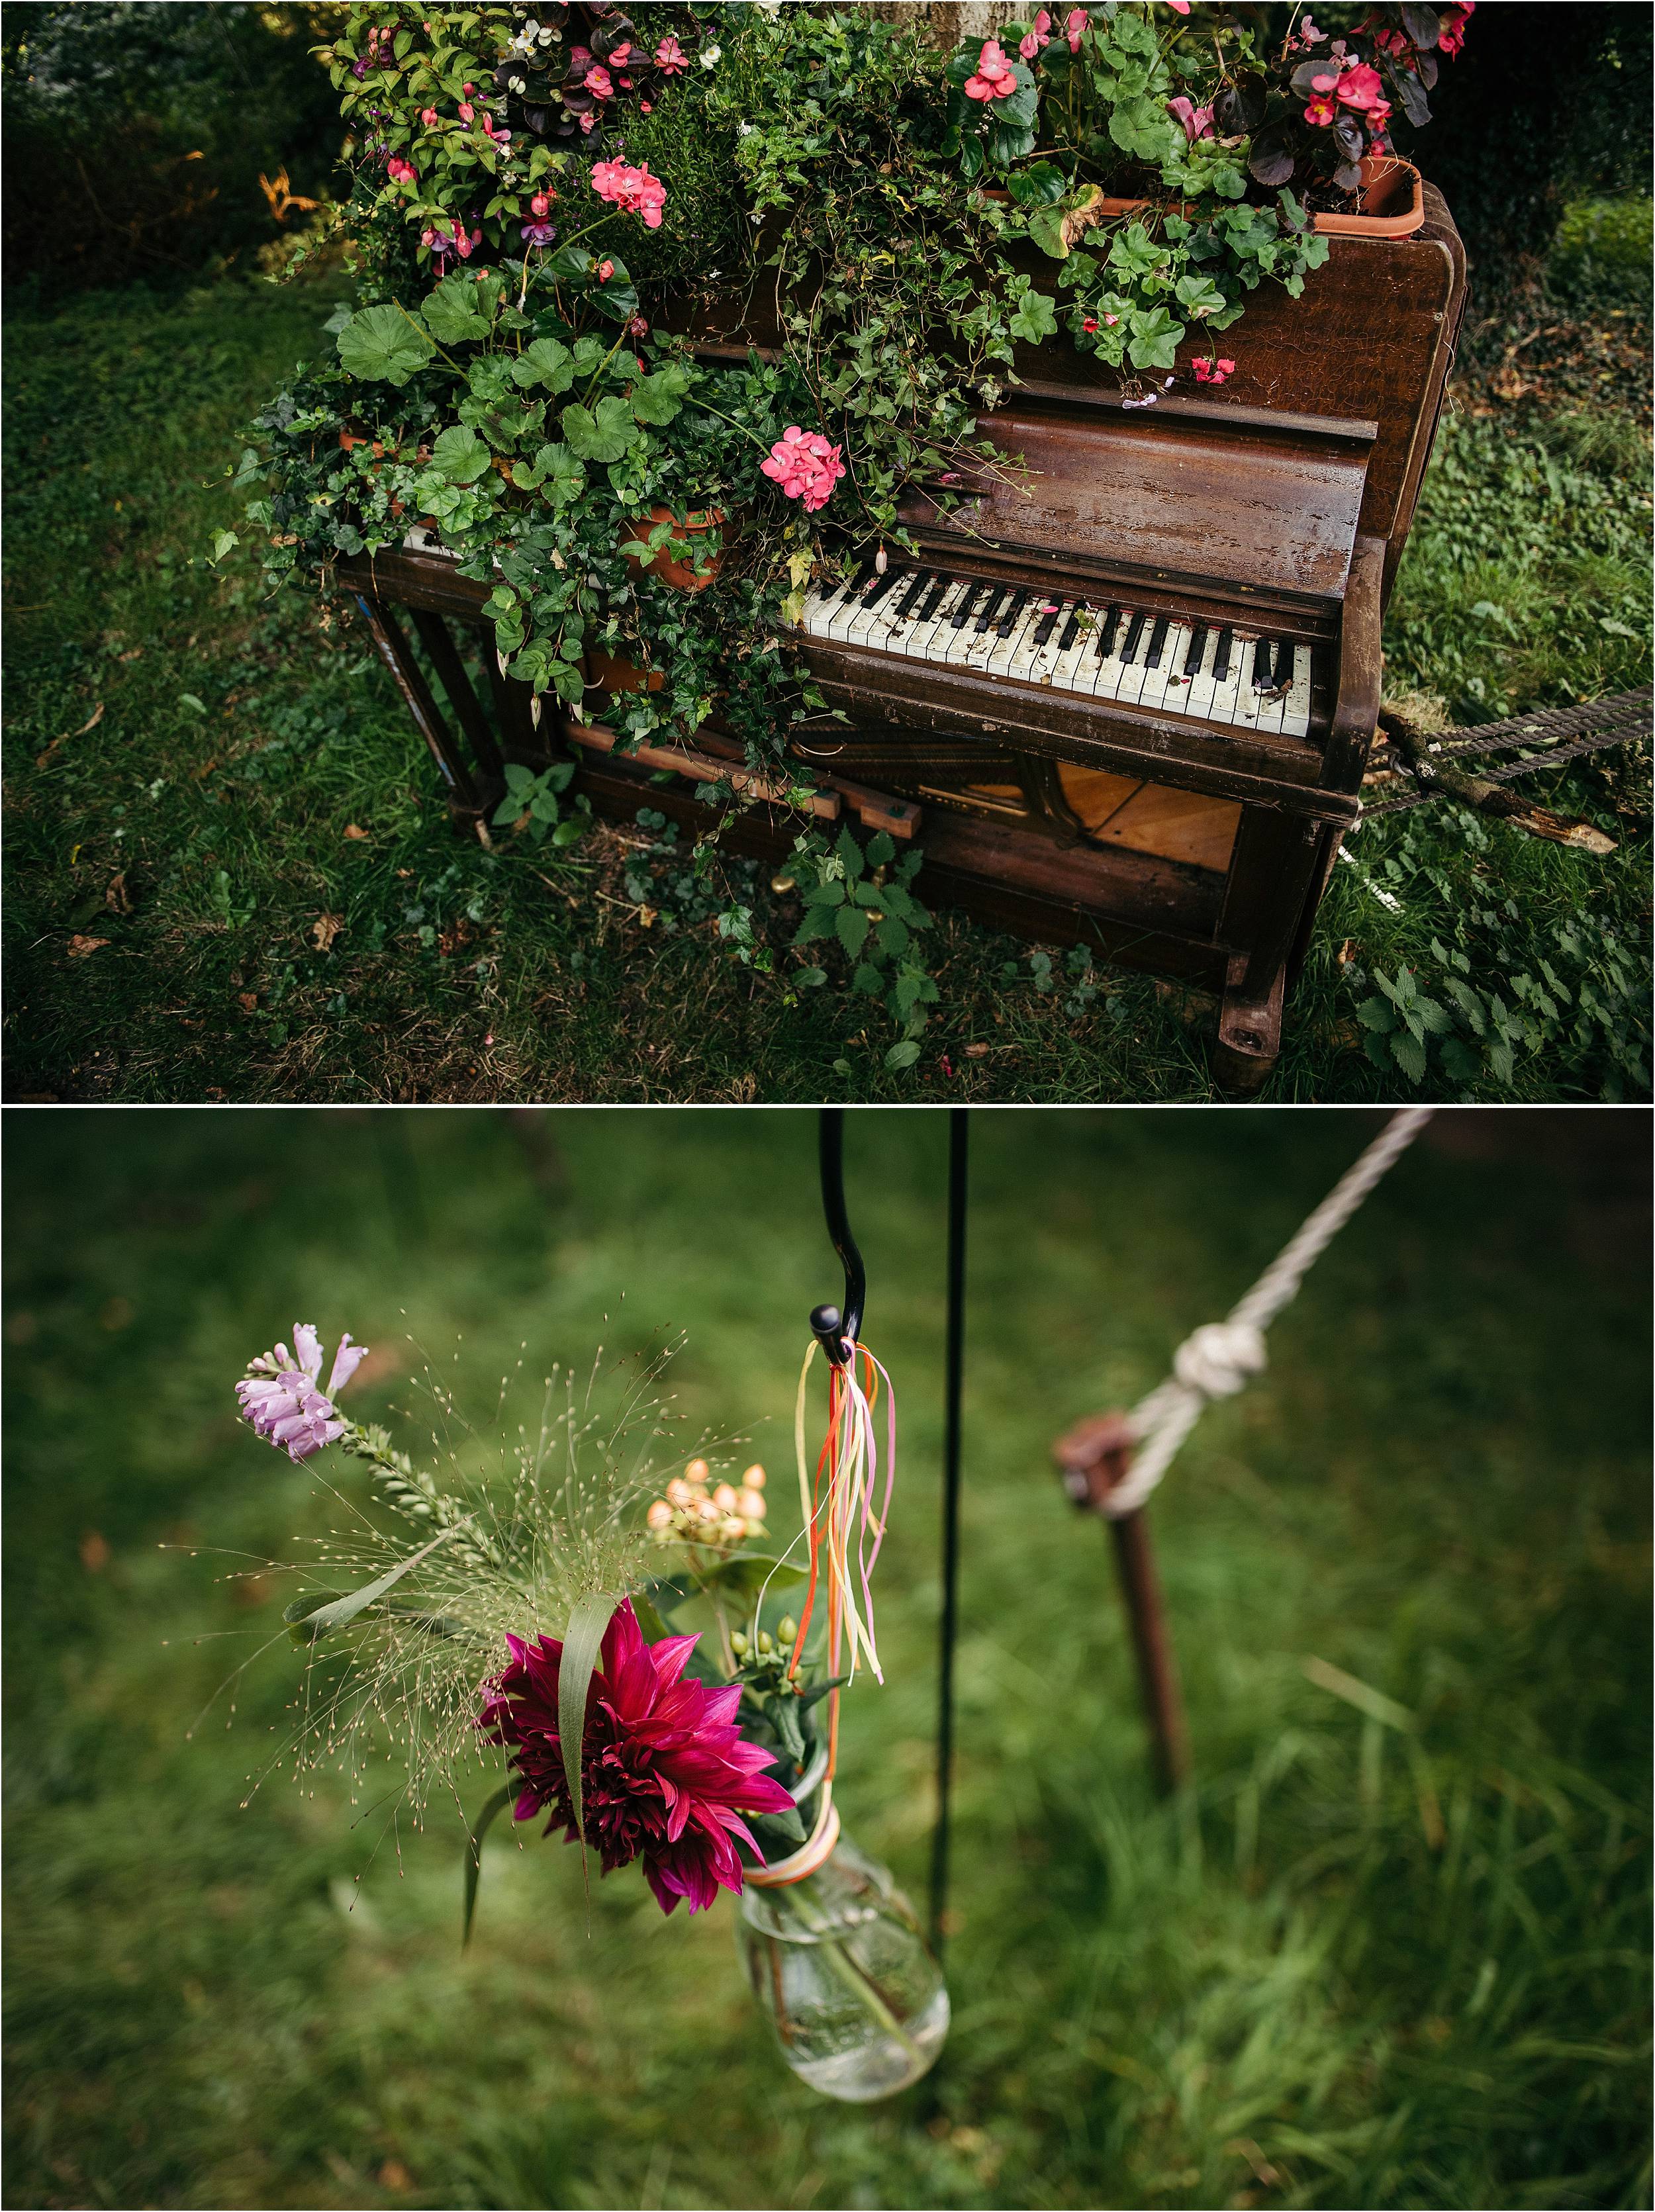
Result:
[{"x": 1124, "y": 692}]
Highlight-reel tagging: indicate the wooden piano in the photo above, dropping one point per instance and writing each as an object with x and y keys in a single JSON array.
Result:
[{"x": 1125, "y": 697}]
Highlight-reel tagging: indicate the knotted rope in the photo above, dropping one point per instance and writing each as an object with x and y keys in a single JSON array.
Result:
[{"x": 1220, "y": 1358}]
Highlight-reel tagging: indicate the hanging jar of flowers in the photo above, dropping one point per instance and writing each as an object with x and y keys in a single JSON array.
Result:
[{"x": 841, "y": 1970}]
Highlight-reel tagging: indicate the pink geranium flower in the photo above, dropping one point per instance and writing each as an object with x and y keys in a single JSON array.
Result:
[
  {"x": 280, "y": 1396},
  {"x": 805, "y": 465},
  {"x": 1197, "y": 121},
  {"x": 670, "y": 57},
  {"x": 1031, "y": 41},
  {"x": 634, "y": 190},
  {"x": 666, "y": 1773},
  {"x": 996, "y": 79}
]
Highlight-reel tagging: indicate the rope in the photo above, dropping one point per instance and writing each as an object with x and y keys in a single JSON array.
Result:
[
  {"x": 1220, "y": 1358},
  {"x": 1617, "y": 720}
]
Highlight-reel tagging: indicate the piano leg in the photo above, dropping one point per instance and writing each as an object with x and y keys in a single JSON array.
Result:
[{"x": 1275, "y": 871}]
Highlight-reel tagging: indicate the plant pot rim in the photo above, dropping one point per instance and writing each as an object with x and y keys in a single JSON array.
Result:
[{"x": 1378, "y": 171}]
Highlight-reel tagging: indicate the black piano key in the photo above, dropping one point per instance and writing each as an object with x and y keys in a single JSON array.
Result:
[
  {"x": 1157, "y": 643},
  {"x": 913, "y": 595},
  {"x": 1106, "y": 629},
  {"x": 1071, "y": 628},
  {"x": 877, "y": 591},
  {"x": 967, "y": 601},
  {"x": 1221, "y": 655},
  {"x": 856, "y": 582},
  {"x": 1046, "y": 623},
  {"x": 991, "y": 607},
  {"x": 1262, "y": 654},
  {"x": 1283, "y": 662},
  {"x": 1012, "y": 614},
  {"x": 933, "y": 598},
  {"x": 1135, "y": 630},
  {"x": 1197, "y": 647}
]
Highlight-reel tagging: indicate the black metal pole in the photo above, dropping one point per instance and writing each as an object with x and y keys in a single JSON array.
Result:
[
  {"x": 836, "y": 1325},
  {"x": 949, "y": 1629}
]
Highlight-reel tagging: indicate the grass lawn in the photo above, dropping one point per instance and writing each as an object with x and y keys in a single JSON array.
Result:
[
  {"x": 201, "y": 783},
  {"x": 1391, "y": 1950}
]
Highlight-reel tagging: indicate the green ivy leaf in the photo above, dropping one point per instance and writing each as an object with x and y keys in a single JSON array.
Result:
[{"x": 1036, "y": 317}]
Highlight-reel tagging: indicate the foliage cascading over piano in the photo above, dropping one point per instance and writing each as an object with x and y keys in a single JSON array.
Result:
[{"x": 1002, "y": 543}]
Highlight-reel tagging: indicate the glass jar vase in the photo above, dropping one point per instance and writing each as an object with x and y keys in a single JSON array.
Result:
[{"x": 838, "y": 1964}]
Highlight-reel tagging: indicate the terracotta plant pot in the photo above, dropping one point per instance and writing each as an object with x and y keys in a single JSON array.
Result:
[
  {"x": 678, "y": 573},
  {"x": 1393, "y": 203},
  {"x": 605, "y": 672}
]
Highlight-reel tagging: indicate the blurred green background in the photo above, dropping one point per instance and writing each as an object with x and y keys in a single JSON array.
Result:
[{"x": 1389, "y": 1950}]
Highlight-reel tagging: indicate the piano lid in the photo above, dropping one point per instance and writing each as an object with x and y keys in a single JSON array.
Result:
[{"x": 1275, "y": 511}]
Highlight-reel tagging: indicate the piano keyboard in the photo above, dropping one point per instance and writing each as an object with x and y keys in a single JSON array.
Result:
[{"x": 1108, "y": 651}]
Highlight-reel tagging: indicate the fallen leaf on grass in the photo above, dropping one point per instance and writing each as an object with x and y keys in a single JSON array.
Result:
[
  {"x": 325, "y": 929},
  {"x": 79, "y": 947},
  {"x": 188, "y": 699},
  {"x": 248, "y": 1001},
  {"x": 977, "y": 1051},
  {"x": 117, "y": 898},
  {"x": 41, "y": 759},
  {"x": 355, "y": 830}
]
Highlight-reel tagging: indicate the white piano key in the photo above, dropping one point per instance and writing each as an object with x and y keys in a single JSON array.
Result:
[
  {"x": 906, "y": 627},
  {"x": 882, "y": 627},
  {"x": 1012, "y": 652},
  {"x": 1162, "y": 686},
  {"x": 1229, "y": 694},
  {"x": 922, "y": 644},
  {"x": 1043, "y": 657},
  {"x": 981, "y": 649},
  {"x": 1296, "y": 719},
  {"x": 871, "y": 614},
  {"x": 1068, "y": 674}
]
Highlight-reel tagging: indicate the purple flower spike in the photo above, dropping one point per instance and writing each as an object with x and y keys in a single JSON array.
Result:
[{"x": 281, "y": 1398}]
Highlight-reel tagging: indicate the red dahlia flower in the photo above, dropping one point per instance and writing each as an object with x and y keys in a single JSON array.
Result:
[{"x": 665, "y": 1772}]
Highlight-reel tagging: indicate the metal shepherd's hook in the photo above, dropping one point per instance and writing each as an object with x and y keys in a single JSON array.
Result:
[{"x": 836, "y": 1329}]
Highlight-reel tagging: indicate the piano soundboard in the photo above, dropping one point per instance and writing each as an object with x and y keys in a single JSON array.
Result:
[{"x": 1110, "y": 650}]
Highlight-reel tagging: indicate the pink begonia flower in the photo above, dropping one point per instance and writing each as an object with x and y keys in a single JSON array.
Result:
[
  {"x": 597, "y": 79},
  {"x": 1310, "y": 34},
  {"x": 430, "y": 118},
  {"x": 1197, "y": 121},
  {"x": 1073, "y": 23},
  {"x": 1179, "y": 8},
  {"x": 995, "y": 78},
  {"x": 281, "y": 1399},
  {"x": 805, "y": 465},
  {"x": 1451, "y": 37},
  {"x": 646, "y": 107},
  {"x": 605, "y": 271},
  {"x": 1359, "y": 87},
  {"x": 670, "y": 57},
  {"x": 1321, "y": 111},
  {"x": 400, "y": 173},
  {"x": 618, "y": 58},
  {"x": 634, "y": 190}
]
